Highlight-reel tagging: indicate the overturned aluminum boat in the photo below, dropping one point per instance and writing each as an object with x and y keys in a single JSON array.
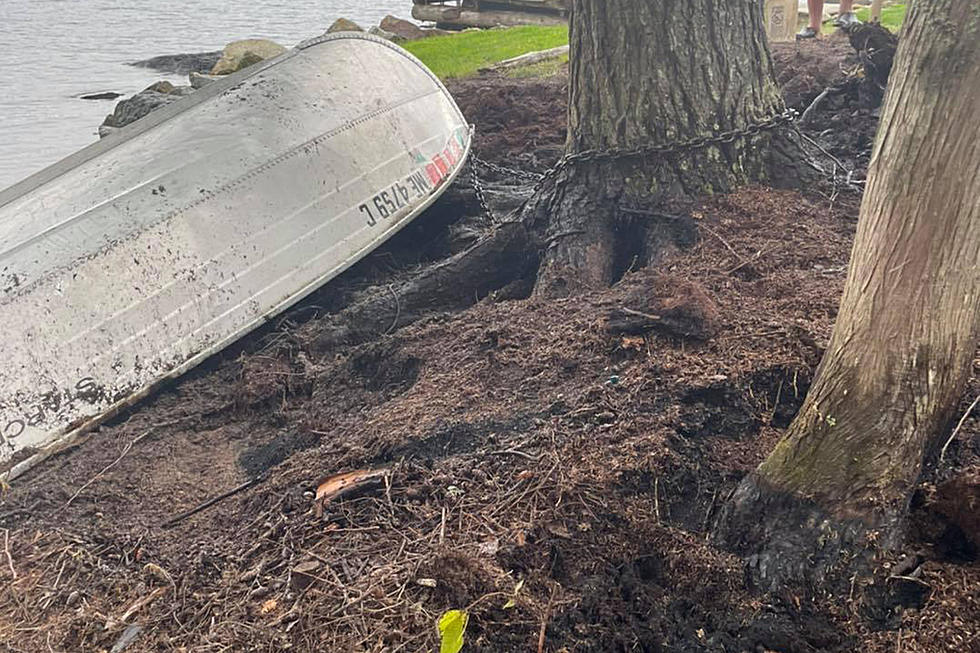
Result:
[{"x": 134, "y": 259}]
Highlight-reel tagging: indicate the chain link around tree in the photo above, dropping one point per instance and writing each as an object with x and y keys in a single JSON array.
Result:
[{"x": 787, "y": 117}]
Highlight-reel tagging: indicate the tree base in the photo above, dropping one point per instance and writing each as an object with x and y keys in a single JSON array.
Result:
[{"x": 791, "y": 542}]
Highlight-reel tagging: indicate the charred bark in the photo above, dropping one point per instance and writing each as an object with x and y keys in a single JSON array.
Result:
[
  {"x": 836, "y": 489},
  {"x": 653, "y": 73}
]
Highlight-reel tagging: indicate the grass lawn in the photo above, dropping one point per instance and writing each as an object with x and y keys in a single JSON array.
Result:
[
  {"x": 540, "y": 69},
  {"x": 891, "y": 18},
  {"x": 462, "y": 54}
]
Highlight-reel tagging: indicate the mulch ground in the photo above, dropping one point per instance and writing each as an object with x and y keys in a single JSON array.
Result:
[{"x": 536, "y": 465}]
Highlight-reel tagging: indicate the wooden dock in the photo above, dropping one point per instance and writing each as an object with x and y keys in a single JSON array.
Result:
[{"x": 491, "y": 13}]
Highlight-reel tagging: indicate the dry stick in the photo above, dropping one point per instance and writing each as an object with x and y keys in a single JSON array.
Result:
[
  {"x": 398, "y": 310},
  {"x": 632, "y": 311},
  {"x": 544, "y": 622},
  {"x": 829, "y": 156},
  {"x": 210, "y": 502},
  {"x": 723, "y": 241},
  {"x": 942, "y": 454},
  {"x": 106, "y": 468},
  {"x": 754, "y": 258},
  {"x": 516, "y": 452},
  {"x": 6, "y": 549},
  {"x": 810, "y": 110}
]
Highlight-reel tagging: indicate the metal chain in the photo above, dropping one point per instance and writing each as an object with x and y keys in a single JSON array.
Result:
[
  {"x": 730, "y": 136},
  {"x": 481, "y": 195},
  {"x": 508, "y": 172}
]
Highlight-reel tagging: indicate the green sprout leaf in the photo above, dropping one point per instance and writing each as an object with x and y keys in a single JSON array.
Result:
[{"x": 452, "y": 626}]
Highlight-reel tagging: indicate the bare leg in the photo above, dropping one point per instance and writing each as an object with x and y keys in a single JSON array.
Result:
[
  {"x": 846, "y": 6},
  {"x": 815, "y": 7}
]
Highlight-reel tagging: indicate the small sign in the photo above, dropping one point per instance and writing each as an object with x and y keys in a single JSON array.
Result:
[{"x": 781, "y": 17}]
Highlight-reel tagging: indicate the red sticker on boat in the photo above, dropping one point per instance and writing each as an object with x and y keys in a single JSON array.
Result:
[
  {"x": 441, "y": 164},
  {"x": 433, "y": 173}
]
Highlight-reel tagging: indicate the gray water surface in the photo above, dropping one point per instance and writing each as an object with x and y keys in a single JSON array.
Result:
[{"x": 52, "y": 51}]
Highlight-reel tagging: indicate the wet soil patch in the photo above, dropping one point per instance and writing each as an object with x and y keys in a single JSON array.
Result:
[{"x": 260, "y": 459}]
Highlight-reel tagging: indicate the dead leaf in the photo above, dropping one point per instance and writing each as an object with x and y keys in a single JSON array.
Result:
[{"x": 633, "y": 342}]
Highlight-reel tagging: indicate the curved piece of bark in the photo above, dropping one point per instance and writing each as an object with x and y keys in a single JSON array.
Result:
[
  {"x": 650, "y": 73},
  {"x": 903, "y": 344},
  {"x": 499, "y": 258}
]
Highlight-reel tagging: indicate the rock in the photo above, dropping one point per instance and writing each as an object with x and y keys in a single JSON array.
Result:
[
  {"x": 132, "y": 109},
  {"x": 404, "y": 29},
  {"x": 241, "y": 54},
  {"x": 199, "y": 80},
  {"x": 181, "y": 64},
  {"x": 377, "y": 31},
  {"x": 161, "y": 87},
  {"x": 304, "y": 574},
  {"x": 344, "y": 25},
  {"x": 105, "y": 95},
  {"x": 105, "y": 130}
]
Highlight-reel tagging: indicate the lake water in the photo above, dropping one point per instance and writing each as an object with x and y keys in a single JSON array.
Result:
[{"x": 52, "y": 51}]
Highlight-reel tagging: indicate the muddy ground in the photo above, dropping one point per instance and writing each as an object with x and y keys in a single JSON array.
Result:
[{"x": 553, "y": 467}]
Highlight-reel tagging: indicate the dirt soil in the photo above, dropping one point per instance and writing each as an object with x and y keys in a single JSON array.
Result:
[{"x": 552, "y": 467}]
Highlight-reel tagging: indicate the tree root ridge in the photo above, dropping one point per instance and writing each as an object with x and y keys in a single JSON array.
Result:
[{"x": 498, "y": 260}]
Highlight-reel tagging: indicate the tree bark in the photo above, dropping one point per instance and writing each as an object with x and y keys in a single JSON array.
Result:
[
  {"x": 652, "y": 73},
  {"x": 836, "y": 489}
]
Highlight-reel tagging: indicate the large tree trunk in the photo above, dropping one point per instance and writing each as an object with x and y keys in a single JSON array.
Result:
[
  {"x": 652, "y": 73},
  {"x": 837, "y": 487}
]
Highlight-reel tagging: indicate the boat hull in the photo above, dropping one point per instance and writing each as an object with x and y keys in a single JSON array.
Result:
[{"x": 131, "y": 261}]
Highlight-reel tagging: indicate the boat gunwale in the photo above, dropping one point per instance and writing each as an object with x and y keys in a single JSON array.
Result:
[{"x": 174, "y": 109}]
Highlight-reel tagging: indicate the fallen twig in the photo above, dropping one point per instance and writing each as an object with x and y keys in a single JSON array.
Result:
[
  {"x": 754, "y": 258},
  {"x": 810, "y": 110},
  {"x": 632, "y": 311},
  {"x": 210, "y": 502},
  {"x": 106, "y": 468},
  {"x": 959, "y": 425},
  {"x": 515, "y": 452},
  {"x": 723, "y": 241},
  {"x": 398, "y": 310},
  {"x": 544, "y": 622},
  {"x": 136, "y": 607},
  {"x": 10, "y": 559}
]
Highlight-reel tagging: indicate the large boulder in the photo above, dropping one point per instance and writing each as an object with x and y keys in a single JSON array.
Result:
[
  {"x": 242, "y": 54},
  {"x": 403, "y": 29},
  {"x": 344, "y": 25},
  {"x": 181, "y": 64}
]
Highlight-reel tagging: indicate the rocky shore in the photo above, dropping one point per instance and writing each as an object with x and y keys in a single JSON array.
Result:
[{"x": 202, "y": 68}]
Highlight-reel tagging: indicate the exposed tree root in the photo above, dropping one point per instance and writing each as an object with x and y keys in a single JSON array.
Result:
[{"x": 502, "y": 256}]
